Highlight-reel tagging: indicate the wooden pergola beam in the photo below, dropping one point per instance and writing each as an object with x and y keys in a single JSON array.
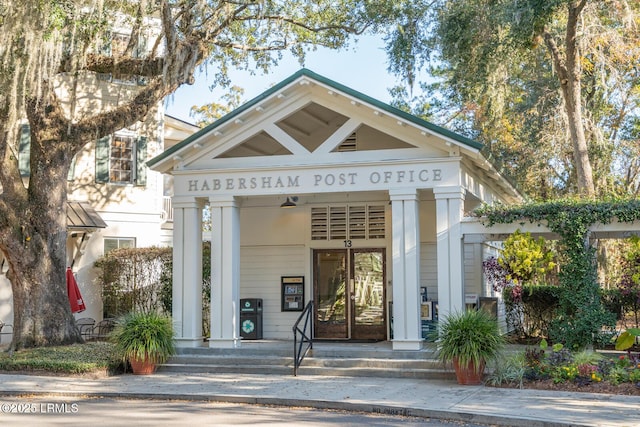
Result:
[{"x": 473, "y": 230}]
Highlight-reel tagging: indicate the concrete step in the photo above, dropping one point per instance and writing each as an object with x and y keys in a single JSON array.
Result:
[
  {"x": 433, "y": 374},
  {"x": 323, "y": 359}
]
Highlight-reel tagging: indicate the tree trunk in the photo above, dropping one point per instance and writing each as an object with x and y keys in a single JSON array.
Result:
[
  {"x": 42, "y": 313},
  {"x": 34, "y": 239},
  {"x": 570, "y": 74},
  {"x": 571, "y": 90},
  {"x": 582, "y": 163}
]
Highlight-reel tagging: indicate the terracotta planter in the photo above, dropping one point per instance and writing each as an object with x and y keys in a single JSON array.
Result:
[
  {"x": 142, "y": 366},
  {"x": 470, "y": 374}
]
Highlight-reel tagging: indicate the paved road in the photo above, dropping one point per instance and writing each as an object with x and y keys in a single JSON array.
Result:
[{"x": 56, "y": 411}]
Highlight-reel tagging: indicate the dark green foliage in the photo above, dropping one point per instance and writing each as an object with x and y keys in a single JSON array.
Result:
[
  {"x": 560, "y": 357},
  {"x": 613, "y": 301},
  {"x": 629, "y": 282},
  {"x": 533, "y": 356},
  {"x": 71, "y": 359},
  {"x": 132, "y": 279},
  {"x": 539, "y": 305},
  {"x": 581, "y": 318}
]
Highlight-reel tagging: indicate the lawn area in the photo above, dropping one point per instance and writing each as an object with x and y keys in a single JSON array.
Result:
[{"x": 96, "y": 358}]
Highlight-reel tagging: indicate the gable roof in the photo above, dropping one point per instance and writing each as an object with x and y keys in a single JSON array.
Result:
[{"x": 306, "y": 73}]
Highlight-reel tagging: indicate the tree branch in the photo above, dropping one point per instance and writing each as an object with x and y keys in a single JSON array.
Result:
[
  {"x": 299, "y": 24},
  {"x": 556, "y": 56},
  {"x": 110, "y": 121},
  {"x": 119, "y": 67}
]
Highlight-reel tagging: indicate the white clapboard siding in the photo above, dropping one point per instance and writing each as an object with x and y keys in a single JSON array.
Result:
[
  {"x": 262, "y": 268},
  {"x": 429, "y": 270},
  {"x": 473, "y": 268}
]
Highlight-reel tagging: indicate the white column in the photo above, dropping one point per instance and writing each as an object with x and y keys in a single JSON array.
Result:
[
  {"x": 449, "y": 212},
  {"x": 187, "y": 273},
  {"x": 225, "y": 273},
  {"x": 405, "y": 231}
]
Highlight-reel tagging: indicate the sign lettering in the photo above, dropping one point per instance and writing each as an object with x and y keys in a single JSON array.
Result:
[{"x": 363, "y": 178}]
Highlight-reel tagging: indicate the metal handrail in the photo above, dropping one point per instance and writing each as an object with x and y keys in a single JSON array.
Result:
[{"x": 306, "y": 334}]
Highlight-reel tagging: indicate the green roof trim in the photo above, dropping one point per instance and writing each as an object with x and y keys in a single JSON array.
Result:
[{"x": 335, "y": 85}]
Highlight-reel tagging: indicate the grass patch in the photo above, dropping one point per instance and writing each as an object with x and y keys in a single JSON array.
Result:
[{"x": 87, "y": 358}]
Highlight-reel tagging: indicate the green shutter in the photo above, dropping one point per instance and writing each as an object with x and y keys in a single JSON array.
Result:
[
  {"x": 141, "y": 161},
  {"x": 24, "y": 150},
  {"x": 103, "y": 146}
]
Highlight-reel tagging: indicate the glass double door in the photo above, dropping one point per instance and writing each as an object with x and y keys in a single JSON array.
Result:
[{"x": 349, "y": 294}]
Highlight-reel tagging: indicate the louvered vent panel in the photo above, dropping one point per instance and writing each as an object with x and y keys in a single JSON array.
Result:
[
  {"x": 338, "y": 223},
  {"x": 349, "y": 144},
  {"x": 319, "y": 224},
  {"x": 357, "y": 222},
  {"x": 376, "y": 222},
  {"x": 352, "y": 222}
]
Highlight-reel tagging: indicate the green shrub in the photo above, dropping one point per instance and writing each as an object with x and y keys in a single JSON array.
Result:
[
  {"x": 70, "y": 359},
  {"x": 508, "y": 370},
  {"x": 587, "y": 357},
  {"x": 131, "y": 279},
  {"x": 618, "y": 375}
]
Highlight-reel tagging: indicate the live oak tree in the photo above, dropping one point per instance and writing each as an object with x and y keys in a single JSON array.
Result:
[
  {"x": 550, "y": 87},
  {"x": 46, "y": 42}
]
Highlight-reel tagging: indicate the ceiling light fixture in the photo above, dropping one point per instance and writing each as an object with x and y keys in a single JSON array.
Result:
[{"x": 289, "y": 203}]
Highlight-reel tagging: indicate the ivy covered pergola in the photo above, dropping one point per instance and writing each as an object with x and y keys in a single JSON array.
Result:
[{"x": 577, "y": 225}]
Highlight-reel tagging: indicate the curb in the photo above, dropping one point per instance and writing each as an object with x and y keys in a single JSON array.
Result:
[{"x": 389, "y": 410}]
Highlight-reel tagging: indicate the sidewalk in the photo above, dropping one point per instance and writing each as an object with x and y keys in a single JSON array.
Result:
[{"x": 435, "y": 399}]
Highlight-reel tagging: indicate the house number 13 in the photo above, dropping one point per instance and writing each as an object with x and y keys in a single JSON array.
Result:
[{"x": 347, "y": 243}]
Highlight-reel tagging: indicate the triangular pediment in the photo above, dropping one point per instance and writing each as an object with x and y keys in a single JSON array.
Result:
[
  {"x": 261, "y": 144},
  {"x": 312, "y": 125},
  {"x": 366, "y": 138},
  {"x": 306, "y": 120}
]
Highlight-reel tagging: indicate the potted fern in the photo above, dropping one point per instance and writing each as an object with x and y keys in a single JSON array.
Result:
[
  {"x": 469, "y": 340},
  {"x": 144, "y": 340}
]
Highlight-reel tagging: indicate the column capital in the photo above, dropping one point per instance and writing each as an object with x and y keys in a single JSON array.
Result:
[
  {"x": 403, "y": 194},
  {"x": 223, "y": 201},
  {"x": 449, "y": 192},
  {"x": 185, "y": 202}
]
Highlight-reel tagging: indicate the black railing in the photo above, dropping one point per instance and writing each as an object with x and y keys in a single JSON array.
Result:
[{"x": 306, "y": 334}]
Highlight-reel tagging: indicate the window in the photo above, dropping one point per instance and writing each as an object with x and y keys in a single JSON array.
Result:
[
  {"x": 120, "y": 159},
  {"x": 119, "y": 43},
  {"x": 115, "y": 44},
  {"x": 111, "y": 243}
]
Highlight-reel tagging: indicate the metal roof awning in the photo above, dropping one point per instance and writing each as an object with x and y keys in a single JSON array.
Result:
[
  {"x": 82, "y": 220},
  {"x": 82, "y": 216}
]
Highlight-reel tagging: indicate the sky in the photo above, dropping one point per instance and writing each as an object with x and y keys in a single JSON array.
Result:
[{"x": 362, "y": 67}]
